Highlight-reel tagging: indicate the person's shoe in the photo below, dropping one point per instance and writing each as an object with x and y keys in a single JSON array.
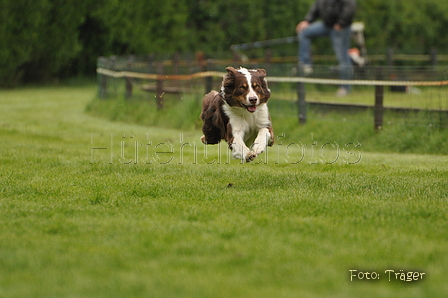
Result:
[{"x": 342, "y": 92}]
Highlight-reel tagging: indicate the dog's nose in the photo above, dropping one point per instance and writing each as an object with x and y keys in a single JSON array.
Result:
[{"x": 253, "y": 99}]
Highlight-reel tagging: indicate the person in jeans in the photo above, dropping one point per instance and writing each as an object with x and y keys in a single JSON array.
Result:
[{"x": 328, "y": 18}]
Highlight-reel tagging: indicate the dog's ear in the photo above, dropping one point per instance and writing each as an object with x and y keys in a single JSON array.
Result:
[
  {"x": 231, "y": 71},
  {"x": 261, "y": 73},
  {"x": 229, "y": 78}
]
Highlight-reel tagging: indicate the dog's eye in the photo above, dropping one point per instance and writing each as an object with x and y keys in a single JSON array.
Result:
[
  {"x": 243, "y": 87},
  {"x": 256, "y": 86}
]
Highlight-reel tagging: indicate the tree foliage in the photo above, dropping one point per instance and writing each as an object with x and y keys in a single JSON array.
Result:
[
  {"x": 44, "y": 39},
  {"x": 409, "y": 26}
]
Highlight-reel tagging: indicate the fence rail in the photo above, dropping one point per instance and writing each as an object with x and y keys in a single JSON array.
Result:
[{"x": 137, "y": 75}]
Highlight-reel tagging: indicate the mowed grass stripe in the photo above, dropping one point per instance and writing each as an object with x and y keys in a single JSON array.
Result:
[{"x": 70, "y": 228}]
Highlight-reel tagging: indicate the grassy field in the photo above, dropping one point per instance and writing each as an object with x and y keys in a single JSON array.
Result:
[{"x": 98, "y": 208}]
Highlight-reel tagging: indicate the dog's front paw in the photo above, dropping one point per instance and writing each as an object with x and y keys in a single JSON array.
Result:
[
  {"x": 251, "y": 156},
  {"x": 258, "y": 149},
  {"x": 243, "y": 154}
]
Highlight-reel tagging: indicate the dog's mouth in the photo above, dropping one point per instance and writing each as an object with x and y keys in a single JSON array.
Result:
[{"x": 251, "y": 108}]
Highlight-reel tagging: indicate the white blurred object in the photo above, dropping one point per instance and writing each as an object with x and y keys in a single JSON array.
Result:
[
  {"x": 357, "y": 29},
  {"x": 342, "y": 92}
]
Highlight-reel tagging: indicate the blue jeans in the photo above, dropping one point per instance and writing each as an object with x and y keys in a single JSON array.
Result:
[{"x": 340, "y": 40}]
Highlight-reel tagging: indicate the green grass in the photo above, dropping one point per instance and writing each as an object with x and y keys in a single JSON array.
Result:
[
  {"x": 79, "y": 222},
  {"x": 421, "y": 133}
]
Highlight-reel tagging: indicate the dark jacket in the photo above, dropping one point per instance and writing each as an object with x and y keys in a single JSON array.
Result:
[{"x": 331, "y": 12}]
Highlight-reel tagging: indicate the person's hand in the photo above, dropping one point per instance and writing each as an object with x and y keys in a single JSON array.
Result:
[
  {"x": 302, "y": 25},
  {"x": 337, "y": 27}
]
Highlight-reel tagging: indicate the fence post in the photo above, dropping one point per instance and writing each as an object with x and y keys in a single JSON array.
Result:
[
  {"x": 112, "y": 65},
  {"x": 379, "y": 99},
  {"x": 268, "y": 59},
  {"x": 209, "y": 79},
  {"x": 176, "y": 62},
  {"x": 389, "y": 56},
  {"x": 301, "y": 97},
  {"x": 301, "y": 102},
  {"x": 379, "y": 110},
  {"x": 128, "y": 81},
  {"x": 434, "y": 57},
  {"x": 102, "y": 88},
  {"x": 159, "y": 83},
  {"x": 151, "y": 59}
]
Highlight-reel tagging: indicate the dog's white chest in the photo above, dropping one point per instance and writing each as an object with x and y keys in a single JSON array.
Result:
[{"x": 247, "y": 123}]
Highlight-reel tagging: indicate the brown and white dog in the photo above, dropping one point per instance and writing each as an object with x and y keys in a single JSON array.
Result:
[{"x": 239, "y": 113}]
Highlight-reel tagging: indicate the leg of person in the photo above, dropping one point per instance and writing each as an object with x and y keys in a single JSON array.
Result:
[
  {"x": 315, "y": 29},
  {"x": 340, "y": 40}
]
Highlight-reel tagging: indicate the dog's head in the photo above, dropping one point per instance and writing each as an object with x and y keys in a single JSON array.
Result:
[{"x": 245, "y": 88}]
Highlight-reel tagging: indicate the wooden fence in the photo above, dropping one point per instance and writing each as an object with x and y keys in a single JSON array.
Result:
[{"x": 170, "y": 70}]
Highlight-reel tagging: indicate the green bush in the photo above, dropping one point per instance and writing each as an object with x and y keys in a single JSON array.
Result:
[{"x": 42, "y": 40}]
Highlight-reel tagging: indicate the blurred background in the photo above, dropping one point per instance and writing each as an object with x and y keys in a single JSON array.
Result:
[{"x": 50, "y": 40}]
